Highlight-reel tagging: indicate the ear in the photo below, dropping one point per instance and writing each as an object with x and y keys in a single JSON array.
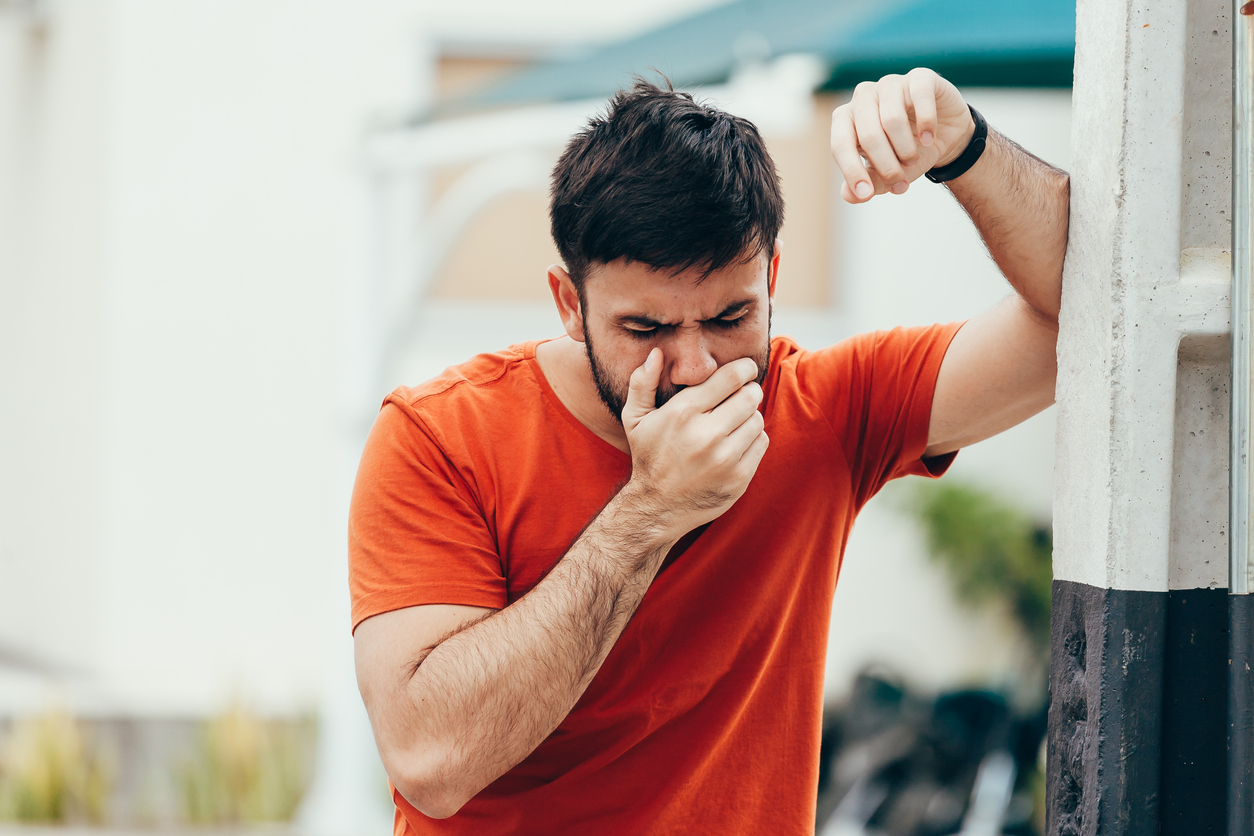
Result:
[
  {"x": 772, "y": 269},
  {"x": 567, "y": 300}
]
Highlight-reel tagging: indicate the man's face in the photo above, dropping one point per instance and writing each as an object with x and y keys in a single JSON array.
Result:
[{"x": 699, "y": 323}]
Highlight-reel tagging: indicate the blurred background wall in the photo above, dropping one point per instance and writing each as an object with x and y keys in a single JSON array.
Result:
[
  {"x": 225, "y": 234},
  {"x": 173, "y": 244}
]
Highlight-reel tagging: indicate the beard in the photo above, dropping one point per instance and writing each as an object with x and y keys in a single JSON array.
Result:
[{"x": 613, "y": 393}]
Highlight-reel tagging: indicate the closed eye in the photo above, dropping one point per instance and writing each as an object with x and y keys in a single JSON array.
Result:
[
  {"x": 643, "y": 329},
  {"x": 731, "y": 320},
  {"x": 641, "y": 333}
]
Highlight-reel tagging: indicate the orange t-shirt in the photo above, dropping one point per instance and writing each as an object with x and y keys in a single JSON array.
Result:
[{"x": 705, "y": 716}]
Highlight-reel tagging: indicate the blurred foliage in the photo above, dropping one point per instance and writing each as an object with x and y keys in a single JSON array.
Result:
[
  {"x": 245, "y": 769},
  {"x": 51, "y": 773},
  {"x": 993, "y": 552}
]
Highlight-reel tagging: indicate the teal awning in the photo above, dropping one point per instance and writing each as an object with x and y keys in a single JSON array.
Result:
[{"x": 995, "y": 43}]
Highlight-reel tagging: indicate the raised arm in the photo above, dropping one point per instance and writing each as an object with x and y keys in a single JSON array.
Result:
[
  {"x": 458, "y": 696},
  {"x": 1001, "y": 367}
]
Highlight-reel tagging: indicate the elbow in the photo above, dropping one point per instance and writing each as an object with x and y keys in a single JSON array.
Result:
[
  {"x": 428, "y": 791},
  {"x": 437, "y": 808},
  {"x": 433, "y": 802}
]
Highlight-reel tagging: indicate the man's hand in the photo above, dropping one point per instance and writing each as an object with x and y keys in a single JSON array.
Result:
[
  {"x": 1001, "y": 367},
  {"x": 692, "y": 458},
  {"x": 895, "y": 129}
]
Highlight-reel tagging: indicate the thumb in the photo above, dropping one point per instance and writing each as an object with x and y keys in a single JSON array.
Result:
[{"x": 642, "y": 391}]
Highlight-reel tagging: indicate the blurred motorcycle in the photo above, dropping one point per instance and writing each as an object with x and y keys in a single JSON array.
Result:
[{"x": 895, "y": 764}]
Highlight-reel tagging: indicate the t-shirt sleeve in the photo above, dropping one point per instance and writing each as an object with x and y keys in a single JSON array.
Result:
[
  {"x": 416, "y": 534},
  {"x": 876, "y": 390}
]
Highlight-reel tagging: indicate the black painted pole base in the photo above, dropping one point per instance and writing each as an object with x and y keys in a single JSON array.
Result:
[
  {"x": 1105, "y": 682},
  {"x": 1240, "y": 715},
  {"x": 1138, "y": 714}
]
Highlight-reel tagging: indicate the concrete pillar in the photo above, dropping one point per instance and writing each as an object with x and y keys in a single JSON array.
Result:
[{"x": 1139, "y": 650}]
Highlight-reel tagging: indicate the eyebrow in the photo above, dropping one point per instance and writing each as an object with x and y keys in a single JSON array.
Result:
[{"x": 649, "y": 322}]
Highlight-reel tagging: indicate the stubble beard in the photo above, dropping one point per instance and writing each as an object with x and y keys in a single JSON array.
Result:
[{"x": 614, "y": 396}]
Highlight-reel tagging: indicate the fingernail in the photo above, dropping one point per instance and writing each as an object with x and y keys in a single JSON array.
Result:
[
  {"x": 900, "y": 188},
  {"x": 926, "y": 137},
  {"x": 863, "y": 190}
]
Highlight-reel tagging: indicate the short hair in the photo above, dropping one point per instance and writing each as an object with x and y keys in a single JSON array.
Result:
[{"x": 667, "y": 181}]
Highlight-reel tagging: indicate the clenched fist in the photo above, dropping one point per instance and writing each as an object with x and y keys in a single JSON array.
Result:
[{"x": 895, "y": 129}]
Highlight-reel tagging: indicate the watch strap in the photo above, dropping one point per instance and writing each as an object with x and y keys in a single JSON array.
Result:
[{"x": 962, "y": 164}]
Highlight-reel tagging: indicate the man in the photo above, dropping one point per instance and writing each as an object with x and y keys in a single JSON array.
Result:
[{"x": 591, "y": 576}]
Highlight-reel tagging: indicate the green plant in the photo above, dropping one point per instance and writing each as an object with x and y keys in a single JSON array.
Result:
[
  {"x": 992, "y": 551},
  {"x": 245, "y": 769},
  {"x": 50, "y": 772}
]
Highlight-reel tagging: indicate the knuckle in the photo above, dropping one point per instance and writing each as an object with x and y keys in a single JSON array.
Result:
[
  {"x": 867, "y": 123},
  {"x": 875, "y": 145},
  {"x": 894, "y": 121}
]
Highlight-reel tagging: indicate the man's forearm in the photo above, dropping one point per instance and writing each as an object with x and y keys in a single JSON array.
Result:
[
  {"x": 484, "y": 698},
  {"x": 1020, "y": 205}
]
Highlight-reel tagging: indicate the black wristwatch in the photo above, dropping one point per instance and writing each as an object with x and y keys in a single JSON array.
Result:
[{"x": 967, "y": 158}]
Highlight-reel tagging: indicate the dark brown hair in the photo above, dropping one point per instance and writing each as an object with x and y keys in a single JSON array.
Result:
[{"x": 664, "y": 180}]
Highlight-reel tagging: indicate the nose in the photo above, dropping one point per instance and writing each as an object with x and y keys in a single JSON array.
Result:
[{"x": 690, "y": 359}]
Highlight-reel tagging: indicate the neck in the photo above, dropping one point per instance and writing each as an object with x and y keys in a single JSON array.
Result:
[{"x": 564, "y": 363}]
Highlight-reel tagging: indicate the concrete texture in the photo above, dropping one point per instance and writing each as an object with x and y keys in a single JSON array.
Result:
[
  {"x": 1198, "y": 556},
  {"x": 1147, "y": 267}
]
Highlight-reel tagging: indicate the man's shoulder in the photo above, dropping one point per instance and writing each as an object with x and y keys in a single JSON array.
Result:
[
  {"x": 866, "y": 346},
  {"x": 472, "y": 405},
  {"x": 789, "y": 360},
  {"x": 884, "y": 360},
  {"x": 483, "y": 379}
]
